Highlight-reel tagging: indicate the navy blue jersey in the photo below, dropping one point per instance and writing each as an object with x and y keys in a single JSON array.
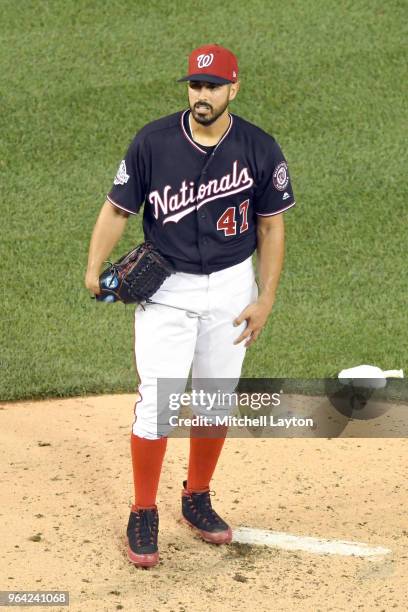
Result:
[{"x": 201, "y": 204}]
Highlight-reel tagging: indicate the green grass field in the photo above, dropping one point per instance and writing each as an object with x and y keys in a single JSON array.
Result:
[{"x": 78, "y": 79}]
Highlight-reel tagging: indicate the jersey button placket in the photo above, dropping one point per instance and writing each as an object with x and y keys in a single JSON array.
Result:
[
  {"x": 201, "y": 220},
  {"x": 203, "y": 240}
]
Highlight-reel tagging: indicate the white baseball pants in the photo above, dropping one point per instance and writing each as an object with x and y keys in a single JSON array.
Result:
[{"x": 191, "y": 327}]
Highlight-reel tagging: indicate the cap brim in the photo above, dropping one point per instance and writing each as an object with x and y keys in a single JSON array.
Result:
[{"x": 206, "y": 78}]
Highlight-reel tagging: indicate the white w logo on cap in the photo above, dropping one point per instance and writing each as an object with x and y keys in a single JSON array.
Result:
[{"x": 205, "y": 59}]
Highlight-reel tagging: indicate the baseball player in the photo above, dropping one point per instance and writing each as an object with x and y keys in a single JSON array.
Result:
[{"x": 213, "y": 189}]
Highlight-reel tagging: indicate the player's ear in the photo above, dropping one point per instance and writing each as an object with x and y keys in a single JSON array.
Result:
[{"x": 234, "y": 89}]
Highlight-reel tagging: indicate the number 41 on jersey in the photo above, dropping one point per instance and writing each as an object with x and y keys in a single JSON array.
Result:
[{"x": 227, "y": 222}]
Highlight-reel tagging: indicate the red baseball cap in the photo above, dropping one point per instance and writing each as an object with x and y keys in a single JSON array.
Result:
[{"x": 213, "y": 64}]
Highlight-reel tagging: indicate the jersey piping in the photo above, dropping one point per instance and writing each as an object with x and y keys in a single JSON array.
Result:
[
  {"x": 276, "y": 212},
  {"x": 131, "y": 212},
  {"x": 195, "y": 145}
]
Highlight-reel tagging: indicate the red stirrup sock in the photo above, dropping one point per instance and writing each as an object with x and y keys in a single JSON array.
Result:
[
  {"x": 147, "y": 460},
  {"x": 205, "y": 449}
]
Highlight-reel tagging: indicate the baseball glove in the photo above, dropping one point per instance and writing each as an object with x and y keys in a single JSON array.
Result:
[{"x": 134, "y": 277}]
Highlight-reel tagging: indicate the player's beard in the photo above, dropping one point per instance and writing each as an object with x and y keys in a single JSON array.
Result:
[{"x": 209, "y": 118}]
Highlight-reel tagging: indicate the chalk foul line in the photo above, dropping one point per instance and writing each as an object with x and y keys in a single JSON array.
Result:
[{"x": 286, "y": 541}]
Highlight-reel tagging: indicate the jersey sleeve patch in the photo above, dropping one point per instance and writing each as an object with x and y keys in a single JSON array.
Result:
[
  {"x": 129, "y": 185},
  {"x": 280, "y": 176},
  {"x": 122, "y": 176},
  {"x": 274, "y": 193}
]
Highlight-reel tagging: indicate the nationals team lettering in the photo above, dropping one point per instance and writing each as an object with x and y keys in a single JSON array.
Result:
[{"x": 166, "y": 202}]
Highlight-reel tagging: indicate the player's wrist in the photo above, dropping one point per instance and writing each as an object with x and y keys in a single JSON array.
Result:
[
  {"x": 267, "y": 300},
  {"x": 91, "y": 275},
  {"x": 92, "y": 281}
]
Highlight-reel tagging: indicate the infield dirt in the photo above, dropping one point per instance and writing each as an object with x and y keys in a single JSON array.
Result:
[{"x": 66, "y": 487}]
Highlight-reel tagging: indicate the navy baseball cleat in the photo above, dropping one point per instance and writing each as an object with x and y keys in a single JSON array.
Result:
[
  {"x": 199, "y": 514},
  {"x": 142, "y": 532}
]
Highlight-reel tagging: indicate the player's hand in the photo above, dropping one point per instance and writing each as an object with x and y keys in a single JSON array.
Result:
[
  {"x": 255, "y": 316},
  {"x": 92, "y": 283}
]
